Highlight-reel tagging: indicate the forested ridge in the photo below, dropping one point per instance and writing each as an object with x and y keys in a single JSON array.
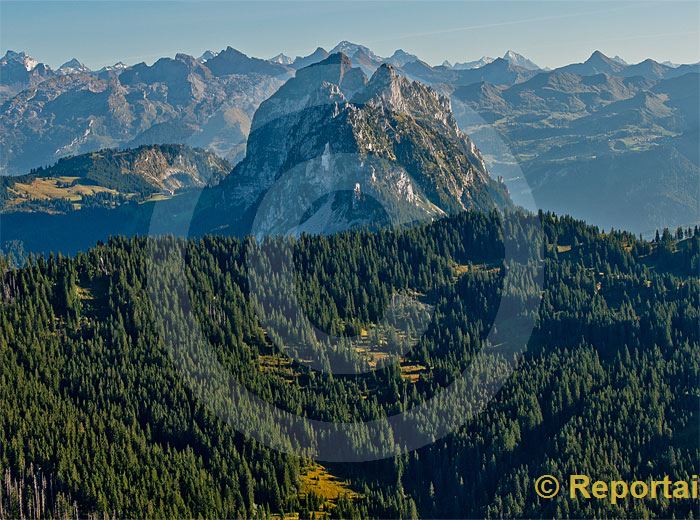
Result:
[
  {"x": 95, "y": 403},
  {"x": 110, "y": 177}
]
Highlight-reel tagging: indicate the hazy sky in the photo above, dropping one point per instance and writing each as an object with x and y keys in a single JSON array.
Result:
[{"x": 551, "y": 33}]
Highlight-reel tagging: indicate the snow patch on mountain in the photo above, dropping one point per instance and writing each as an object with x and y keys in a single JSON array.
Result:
[
  {"x": 484, "y": 60},
  {"x": 22, "y": 57},
  {"x": 519, "y": 60},
  {"x": 282, "y": 59},
  {"x": 72, "y": 66}
]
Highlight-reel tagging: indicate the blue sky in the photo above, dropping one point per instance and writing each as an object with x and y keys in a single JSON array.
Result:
[{"x": 551, "y": 33}]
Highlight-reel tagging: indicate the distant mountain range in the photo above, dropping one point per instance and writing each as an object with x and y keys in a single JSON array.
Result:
[
  {"x": 329, "y": 150},
  {"x": 47, "y": 115},
  {"x": 557, "y": 129},
  {"x": 611, "y": 143},
  {"x": 484, "y": 60}
]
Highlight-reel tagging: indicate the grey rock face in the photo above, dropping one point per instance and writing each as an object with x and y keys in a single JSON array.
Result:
[
  {"x": 329, "y": 133},
  {"x": 19, "y": 71}
]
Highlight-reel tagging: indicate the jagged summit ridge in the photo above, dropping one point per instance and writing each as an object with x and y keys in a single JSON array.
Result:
[
  {"x": 394, "y": 92},
  {"x": 386, "y": 88},
  {"x": 22, "y": 57}
]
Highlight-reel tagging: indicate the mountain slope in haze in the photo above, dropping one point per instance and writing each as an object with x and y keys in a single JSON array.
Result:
[
  {"x": 400, "y": 58},
  {"x": 557, "y": 93},
  {"x": 319, "y": 54},
  {"x": 639, "y": 191},
  {"x": 617, "y": 147},
  {"x": 111, "y": 177},
  {"x": 597, "y": 63},
  {"x": 620, "y": 60},
  {"x": 649, "y": 69},
  {"x": 498, "y": 72},
  {"x": 231, "y": 61}
]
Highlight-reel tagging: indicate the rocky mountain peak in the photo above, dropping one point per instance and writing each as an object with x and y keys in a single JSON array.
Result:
[
  {"x": 73, "y": 63},
  {"x": 519, "y": 60},
  {"x": 181, "y": 56},
  {"x": 598, "y": 57},
  {"x": 119, "y": 66},
  {"x": 336, "y": 69},
  {"x": 338, "y": 58},
  {"x": 385, "y": 75},
  {"x": 177, "y": 73},
  {"x": 72, "y": 66},
  {"x": 232, "y": 61},
  {"x": 330, "y": 129},
  {"x": 207, "y": 55},
  {"x": 304, "y": 61},
  {"x": 400, "y": 58},
  {"x": 597, "y": 63},
  {"x": 191, "y": 62},
  {"x": 389, "y": 89},
  {"x": 350, "y": 49},
  {"x": 282, "y": 59},
  {"x": 18, "y": 70},
  {"x": 21, "y": 57},
  {"x": 396, "y": 95},
  {"x": 307, "y": 88}
]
